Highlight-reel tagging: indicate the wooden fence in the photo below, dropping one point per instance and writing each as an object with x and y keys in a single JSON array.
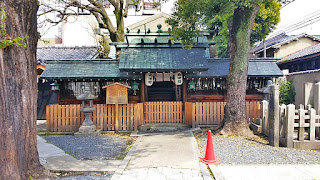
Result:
[
  {"x": 211, "y": 113},
  {"x": 163, "y": 112},
  {"x": 68, "y": 118}
]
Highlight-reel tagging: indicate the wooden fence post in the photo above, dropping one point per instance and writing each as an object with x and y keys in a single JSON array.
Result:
[
  {"x": 188, "y": 113},
  {"x": 264, "y": 114},
  {"x": 312, "y": 129},
  {"x": 289, "y": 125}
]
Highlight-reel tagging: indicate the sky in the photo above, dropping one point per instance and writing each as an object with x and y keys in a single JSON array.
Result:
[{"x": 300, "y": 16}]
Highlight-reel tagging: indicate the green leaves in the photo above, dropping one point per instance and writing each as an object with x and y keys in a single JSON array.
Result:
[
  {"x": 5, "y": 40},
  {"x": 191, "y": 17}
]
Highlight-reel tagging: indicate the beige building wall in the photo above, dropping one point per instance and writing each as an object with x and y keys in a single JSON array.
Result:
[
  {"x": 151, "y": 23},
  {"x": 294, "y": 46},
  {"x": 299, "y": 83}
]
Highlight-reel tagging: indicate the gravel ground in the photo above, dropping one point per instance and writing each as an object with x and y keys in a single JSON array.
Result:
[
  {"x": 239, "y": 150},
  {"x": 97, "y": 148}
]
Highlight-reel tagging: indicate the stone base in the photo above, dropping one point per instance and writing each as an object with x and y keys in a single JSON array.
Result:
[
  {"x": 255, "y": 128},
  {"x": 87, "y": 130},
  {"x": 163, "y": 127}
]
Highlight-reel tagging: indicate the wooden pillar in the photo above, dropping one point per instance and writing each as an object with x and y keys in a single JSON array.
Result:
[
  {"x": 225, "y": 96},
  {"x": 142, "y": 95},
  {"x": 188, "y": 113},
  {"x": 146, "y": 93},
  {"x": 184, "y": 90}
]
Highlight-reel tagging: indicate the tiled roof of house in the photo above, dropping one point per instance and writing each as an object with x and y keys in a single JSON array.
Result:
[
  {"x": 259, "y": 67},
  {"x": 153, "y": 59},
  {"x": 304, "y": 52},
  {"x": 64, "y": 52},
  {"x": 279, "y": 40},
  {"x": 84, "y": 69}
]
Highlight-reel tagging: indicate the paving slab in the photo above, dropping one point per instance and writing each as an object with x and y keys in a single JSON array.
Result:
[
  {"x": 267, "y": 172},
  {"x": 161, "y": 173},
  {"x": 173, "y": 150},
  {"x": 67, "y": 164},
  {"x": 47, "y": 150}
]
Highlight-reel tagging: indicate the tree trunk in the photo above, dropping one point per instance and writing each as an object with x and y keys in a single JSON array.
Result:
[
  {"x": 235, "y": 121},
  {"x": 18, "y": 94}
]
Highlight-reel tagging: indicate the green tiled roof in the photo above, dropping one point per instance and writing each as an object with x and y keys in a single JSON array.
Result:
[
  {"x": 259, "y": 67},
  {"x": 155, "y": 59},
  {"x": 84, "y": 69}
]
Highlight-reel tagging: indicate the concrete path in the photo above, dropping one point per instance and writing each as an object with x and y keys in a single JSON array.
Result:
[
  {"x": 163, "y": 156},
  {"x": 266, "y": 172},
  {"x": 55, "y": 159},
  {"x": 173, "y": 150}
]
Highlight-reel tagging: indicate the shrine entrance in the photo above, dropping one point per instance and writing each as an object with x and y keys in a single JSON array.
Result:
[{"x": 162, "y": 91}]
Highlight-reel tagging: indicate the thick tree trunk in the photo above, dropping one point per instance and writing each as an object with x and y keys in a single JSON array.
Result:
[
  {"x": 18, "y": 94},
  {"x": 235, "y": 121}
]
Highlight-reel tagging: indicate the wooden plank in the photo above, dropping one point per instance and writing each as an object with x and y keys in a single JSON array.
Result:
[
  {"x": 215, "y": 116},
  {"x": 208, "y": 113},
  {"x": 219, "y": 104},
  {"x": 161, "y": 112},
  {"x": 63, "y": 118},
  {"x": 193, "y": 115},
  {"x": 132, "y": 117},
  {"x": 222, "y": 111},
  {"x": 68, "y": 119},
  {"x": 171, "y": 112},
  {"x": 197, "y": 113},
  {"x": 157, "y": 112},
  {"x": 116, "y": 120},
  {"x": 104, "y": 117},
  {"x": 211, "y": 121},
  {"x": 48, "y": 119},
  {"x": 59, "y": 118},
  {"x": 109, "y": 118},
  {"x": 54, "y": 118}
]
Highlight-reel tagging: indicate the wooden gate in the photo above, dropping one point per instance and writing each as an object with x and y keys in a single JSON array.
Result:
[{"x": 163, "y": 112}]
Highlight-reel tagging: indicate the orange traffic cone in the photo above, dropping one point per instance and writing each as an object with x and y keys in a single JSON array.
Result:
[{"x": 210, "y": 158}]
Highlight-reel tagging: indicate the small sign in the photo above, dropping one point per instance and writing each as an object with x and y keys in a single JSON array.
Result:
[{"x": 117, "y": 93}]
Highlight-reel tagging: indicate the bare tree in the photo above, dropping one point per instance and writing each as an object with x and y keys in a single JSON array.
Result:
[{"x": 64, "y": 8}]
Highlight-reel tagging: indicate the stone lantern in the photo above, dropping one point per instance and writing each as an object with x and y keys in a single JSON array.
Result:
[
  {"x": 87, "y": 128},
  {"x": 265, "y": 90}
]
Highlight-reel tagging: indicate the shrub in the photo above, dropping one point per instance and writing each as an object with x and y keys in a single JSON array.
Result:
[{"x": 287, "y": 93}]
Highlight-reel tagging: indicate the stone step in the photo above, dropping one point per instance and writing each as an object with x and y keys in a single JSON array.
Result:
[{"x": 163, "y": 127}]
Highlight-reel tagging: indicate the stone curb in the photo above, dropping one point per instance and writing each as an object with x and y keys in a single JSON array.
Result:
[
  {"x": 205, "y": 172},
  {"x": 216, "y": 172},
  {"x": 125, "y": 161}
]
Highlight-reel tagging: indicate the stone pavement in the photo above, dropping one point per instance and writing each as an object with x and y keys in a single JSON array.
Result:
[
  {"x": 55, "y": 159},
  {"x": 266, "y": 172}
]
